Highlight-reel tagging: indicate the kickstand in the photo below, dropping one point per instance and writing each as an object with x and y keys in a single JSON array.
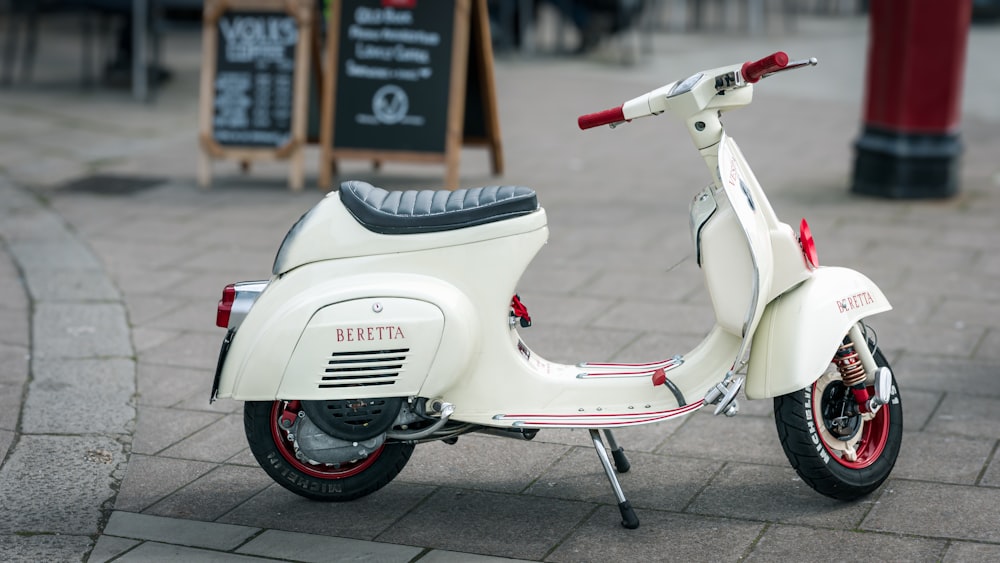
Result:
[
  {"x": 617, "y": 453},
  {"x": 629, "y": 519}
]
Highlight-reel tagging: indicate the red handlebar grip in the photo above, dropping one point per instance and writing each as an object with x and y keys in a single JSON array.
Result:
[
  {"x": 613, "y": 115},
  {"x": 753, "y": 71}
]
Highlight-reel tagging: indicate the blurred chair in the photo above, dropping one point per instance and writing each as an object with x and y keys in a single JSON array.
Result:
[
  {"x": 23, "y": 17},
  {"x": 139, "y": 25}
]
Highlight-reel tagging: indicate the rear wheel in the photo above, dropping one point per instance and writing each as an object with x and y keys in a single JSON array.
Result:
[
  {"x": 835, "y": 449},
  {"x": 276, "y": 454}
]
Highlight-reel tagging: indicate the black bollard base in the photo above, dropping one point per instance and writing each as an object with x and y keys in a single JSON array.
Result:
[{"x": 906, "y": 165}]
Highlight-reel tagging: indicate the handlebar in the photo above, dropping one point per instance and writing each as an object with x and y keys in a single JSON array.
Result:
[
  {"x": 721, "y": 79},
  {"x": 753, "y": 71},
  {"x": 605, "y": 117}
]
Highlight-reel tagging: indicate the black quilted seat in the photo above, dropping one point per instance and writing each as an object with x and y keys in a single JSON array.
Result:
[{"x": 428, "y": 211}]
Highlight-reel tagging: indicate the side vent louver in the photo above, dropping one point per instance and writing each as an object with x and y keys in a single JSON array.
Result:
[{"x": 363, "y": 369}]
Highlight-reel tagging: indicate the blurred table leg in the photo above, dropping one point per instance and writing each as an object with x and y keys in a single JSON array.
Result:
[{"x": 140, "y": 76}]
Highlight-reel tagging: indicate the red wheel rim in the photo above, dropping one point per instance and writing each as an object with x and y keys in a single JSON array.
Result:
[
  {"x": 874, "y": 436},
  {"x": 322, "y": 470}
]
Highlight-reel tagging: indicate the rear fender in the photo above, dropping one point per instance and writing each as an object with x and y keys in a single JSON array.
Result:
[{"x": 801, "y": 330}]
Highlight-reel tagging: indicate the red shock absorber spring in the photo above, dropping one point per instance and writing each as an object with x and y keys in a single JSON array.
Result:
[
  {"x": 852, "y": 372},
  {"x": 849, "y": 365}
]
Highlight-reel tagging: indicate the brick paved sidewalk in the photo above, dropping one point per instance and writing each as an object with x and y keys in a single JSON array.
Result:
[{"x": 113, "y": 295}]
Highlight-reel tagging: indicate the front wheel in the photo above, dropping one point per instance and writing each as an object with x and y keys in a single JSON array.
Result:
[
  {"x": 345, "y": 481},
  {"x": 833, "y": 447}
]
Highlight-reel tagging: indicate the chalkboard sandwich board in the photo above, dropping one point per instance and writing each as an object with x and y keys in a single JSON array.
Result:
[
  {"x": 254, "y": 80},
  {"x": 408, "y": 80}
]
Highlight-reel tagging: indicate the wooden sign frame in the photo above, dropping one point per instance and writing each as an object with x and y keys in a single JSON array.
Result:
[
  {"x": 304, "y": 12},
  {"x": 470, "y": 38}
]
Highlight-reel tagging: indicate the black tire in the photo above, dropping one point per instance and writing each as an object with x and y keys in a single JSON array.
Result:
[
  {"x": 813, "y": 450},
  {"x": 324, "y": 482}
]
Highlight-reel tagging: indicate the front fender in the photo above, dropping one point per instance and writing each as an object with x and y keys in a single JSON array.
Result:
[{"x": 801, "y": 329}]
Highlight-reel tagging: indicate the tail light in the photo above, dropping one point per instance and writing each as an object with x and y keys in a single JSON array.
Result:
[
  {"x": 225, "y": 306},
  {"x": 808, "y": 245},
  {"x": 237, "y": 299}
]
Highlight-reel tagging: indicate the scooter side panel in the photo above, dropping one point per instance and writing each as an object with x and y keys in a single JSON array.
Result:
[
  {"x": 264, "y": 346},
  {"x": 364, "y": 348},
  {"x": 800, "y": 330}
]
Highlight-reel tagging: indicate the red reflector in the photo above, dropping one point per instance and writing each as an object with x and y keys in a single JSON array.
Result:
[
  {"x": 808, "y": 245},
  {"x": 225, "y": 306}
]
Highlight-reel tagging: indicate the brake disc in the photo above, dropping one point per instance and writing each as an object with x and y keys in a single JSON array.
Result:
[{"x": 354, "y": 419}]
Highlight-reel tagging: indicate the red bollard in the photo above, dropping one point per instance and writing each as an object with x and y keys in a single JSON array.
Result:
[{"x": 910, "y": 147}]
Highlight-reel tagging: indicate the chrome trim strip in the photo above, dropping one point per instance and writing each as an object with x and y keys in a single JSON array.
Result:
[
  {"x": 596, "y": 420},
  {"x": 640, "y": 370},
  {"x": 246, "y": 295}
]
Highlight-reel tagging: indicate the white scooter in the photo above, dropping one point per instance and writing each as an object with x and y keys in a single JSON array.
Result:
[{"x": 389, "y": 321}]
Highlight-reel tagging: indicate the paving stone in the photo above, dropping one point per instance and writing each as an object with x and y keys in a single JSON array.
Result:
[
  {"x": 149, "y": 479},
  {"x": 117, "y": 253},
  {"x": 488, "y": 523},
  {"x": 758, "y": 492},
  {"x": 14, "y": 361},
  {"x": 653, "y": 481},
  {"x": 195, "y": 313},
  {"x": 441, "y": 556},
  {"x": 55, "y": 286},
  {"x": 199, "y": 350},
  {"x": 968, "y": 312},
  {"x": 213, "y": 494},
  {"x": 216, "y": 442},
  {"x": 14, "y": 329},
  {"x": 542, "y": 277},
  {"x": 796, "y": 543},
  {"x": 164, "y": 386},
  {"x": 572, "y": 345},
  {"x": 33, "y": 223},
  {"x": 918, "y": 407},
  {"x": 945, "y": 340},
  {"x": 68, "y": 330},
  {"x": 364, "y": 518},
  {"x": 661, "y": 536},
  {"x": 562, "y": 311},
  {"x": 133, "y": 280},
  {"x": 64, "y": 254},
  {"x": 57, "y": 484},
  {"x": 157, "y": 428},
  {"x": 320, "y": 549},
  {"x": 245, "y": 457},
  {"x": 741, "y": 439},
  {"x": 935, "y": 373},
  {"x": 210, "y": 535},
  {"x": 945, "y": 459},
  {"x": 146, "y": 310},
  {"x": 967, "y": 551},
  {"x": 934, "y": 284},
  {"x": 975, "y": 417},
  {"x": 10, "y": 405},
  {"x": 6, "y": 441},
  {"x": 659, "y": 317},
  {"x": 987, "y": 351},
  {"x": 991, "y": 477},
  {"x": 47, "y": 547},
  {"x": 110, "y": 547},
  {"x": 651, "y": 346},
  {"x": 86, "y": 396},
  {"x": 666, "y": 286},
  {"x": 642, "y": 438},
  {"x": 937, "y": 510},
  {"x": 147, "y": 338},
  {"x": 481, "y": 462}
]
